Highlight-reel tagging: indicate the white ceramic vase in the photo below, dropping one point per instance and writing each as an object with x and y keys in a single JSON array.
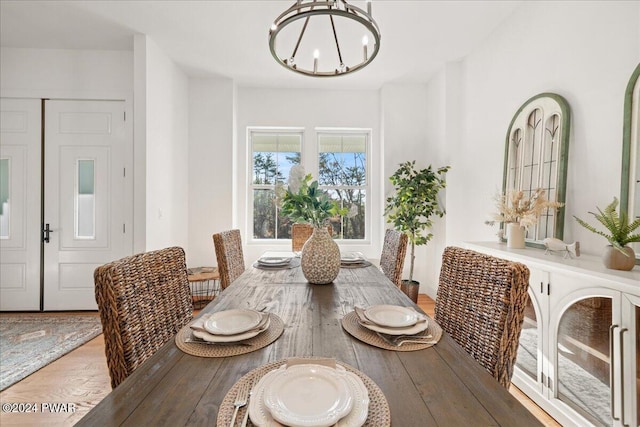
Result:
[
  {"x": 320, "y": 260},
  {"x": 515, "y": 236}
]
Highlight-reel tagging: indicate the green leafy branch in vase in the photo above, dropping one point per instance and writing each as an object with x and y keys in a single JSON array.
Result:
[
  {"x": 618, "y": 225},
  {"x": 304, "y": 202}
]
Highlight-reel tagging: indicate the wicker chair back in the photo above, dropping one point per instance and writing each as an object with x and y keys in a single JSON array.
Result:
[
  {"x": 300, "y": 233},
  {"x": 228, "y": 245},
  {"x": 480, "y": 302},
  {"x": 393, "y": 254},
  {"x": 143, "y": 302}
]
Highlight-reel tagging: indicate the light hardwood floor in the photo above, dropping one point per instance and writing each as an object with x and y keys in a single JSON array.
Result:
[{"x": 82, "y": 378}]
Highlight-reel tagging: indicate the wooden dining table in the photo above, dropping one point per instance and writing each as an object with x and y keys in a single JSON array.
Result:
[{"x": 438, "y": 386}]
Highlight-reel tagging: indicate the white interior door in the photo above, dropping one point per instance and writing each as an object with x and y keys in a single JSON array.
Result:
[
  {"x": 20, "y": 201},
  {"x": 88, "y": 206}
]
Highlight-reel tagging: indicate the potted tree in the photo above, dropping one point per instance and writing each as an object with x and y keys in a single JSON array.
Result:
[
  {"x": 413, "y": 205},
  {"x": 617, "y": 255}
]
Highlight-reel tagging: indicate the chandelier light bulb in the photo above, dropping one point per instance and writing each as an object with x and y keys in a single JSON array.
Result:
[
  {"x": 316, "y": 55},
  {"x": 273, "y": 27},
  {"x": 365, "y": 43}
]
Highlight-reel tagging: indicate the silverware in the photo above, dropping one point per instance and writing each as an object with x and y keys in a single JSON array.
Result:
[
  {"x": 399, "y": 342},
  {"x": 241, "y": 400},
  {"x": 246, "y": 413}
]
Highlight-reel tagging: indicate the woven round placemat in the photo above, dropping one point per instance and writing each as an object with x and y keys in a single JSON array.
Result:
[
  {"x": 379, "y": 414},
  {"x": 351, "y": 325},
  {"x": 295, "y": 262},
  {"x": 276, "y": 327},
  {"x": 355, "y": 264}
]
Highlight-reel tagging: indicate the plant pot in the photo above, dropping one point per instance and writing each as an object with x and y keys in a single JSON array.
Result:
[
  {"x": 616, "y": 260},
  {"x": 410, "y": 289},
  {"x": 320, "y": 260},
  {"x": 515, "y": 236}
]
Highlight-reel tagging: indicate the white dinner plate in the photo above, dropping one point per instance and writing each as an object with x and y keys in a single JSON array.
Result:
[
  {"x": 409, "y": 330},
  {"x": 351, "y": 257},
  {"x": 274, "y": 261},
  {"x": 232, "y": 322},
  {"x": 261, "y": 417},
  {"x": 392, "y": 316},
  {"x": 308, "y": 395},
  {"x": 233, "y": 338}
]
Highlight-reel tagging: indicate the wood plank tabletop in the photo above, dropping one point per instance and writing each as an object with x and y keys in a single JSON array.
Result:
[{"x": 438, "y": 386}]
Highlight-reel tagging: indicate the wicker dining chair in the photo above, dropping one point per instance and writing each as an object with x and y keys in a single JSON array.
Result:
[
  {"x": 143, "y": 302},
  {"x": 393, "y": 254},
  {"x": 300, "y": 233},
  {"x": 228, "y": 245},
  {"x": 480, "y": 302}
]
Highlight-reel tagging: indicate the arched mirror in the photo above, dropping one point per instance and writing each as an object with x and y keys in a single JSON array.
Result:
[
  {"x": 630, "y": 185},
  {"x": 536, "y": 152}
]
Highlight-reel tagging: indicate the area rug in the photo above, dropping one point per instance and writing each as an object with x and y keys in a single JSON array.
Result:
[{"x": 30, "y": 341}]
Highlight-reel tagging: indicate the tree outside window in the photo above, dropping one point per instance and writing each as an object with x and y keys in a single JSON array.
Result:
[
  {"x": 342, "y": 169},
  {"x": 273, "y": 155}
]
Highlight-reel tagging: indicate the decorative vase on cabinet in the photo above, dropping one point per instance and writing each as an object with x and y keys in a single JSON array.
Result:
[
  {"x": 515, "y": 235},
  {"x": 616, "y": 259},
  {"x": 320, "y": 260}
]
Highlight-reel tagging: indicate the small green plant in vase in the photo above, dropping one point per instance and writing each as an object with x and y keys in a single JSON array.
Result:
[{"x": 618, "y": 255}]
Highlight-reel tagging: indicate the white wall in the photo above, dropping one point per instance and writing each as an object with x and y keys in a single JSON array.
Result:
[
  {"x": 211, "y": 140},
  {"x": 308, "y": 109},
  {"x": 61, "y": 73},
  {"x": 584, "y": 51},
  {"x": 167, "y": 148},
  {"x": 412, "y": 132}
]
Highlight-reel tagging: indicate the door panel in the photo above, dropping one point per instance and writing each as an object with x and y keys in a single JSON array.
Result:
[
  {"x": 20, "y": 203},
  {"x": 86, "y": 202}
]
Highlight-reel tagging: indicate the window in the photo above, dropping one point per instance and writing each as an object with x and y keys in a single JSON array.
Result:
[
  {"x": 5, "y": 196},
  {"x": 342, "y": 172},
  {"x": 339, "y": 161},
  {"x": 273, "y": 155},
  {"x": 85, "y": 200}
]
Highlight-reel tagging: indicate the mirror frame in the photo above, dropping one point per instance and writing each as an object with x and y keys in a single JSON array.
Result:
[
  {"x": 563, "y": 161},
  {"x": 627, "y": 143}
]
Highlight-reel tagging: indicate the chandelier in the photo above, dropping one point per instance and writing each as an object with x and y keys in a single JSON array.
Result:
[{"x": 324, "y": 38}]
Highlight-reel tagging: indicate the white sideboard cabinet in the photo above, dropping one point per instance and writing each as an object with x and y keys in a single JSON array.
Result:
[{"x": 579, "y": 353}]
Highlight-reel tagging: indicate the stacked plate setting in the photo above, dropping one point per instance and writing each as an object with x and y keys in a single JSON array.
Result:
[
  {"x": 232, "y": 326},
  {"x": 270, "y": 261},
  {"x": 393, "y": 320},
  {"x": 349, "y": 258},
  {"x": 309, "y": 395}
]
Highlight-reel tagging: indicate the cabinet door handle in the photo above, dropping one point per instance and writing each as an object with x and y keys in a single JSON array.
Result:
[
  {"x": 541, "y": 288},
  {"x": 611, "y": 372},
  {"x": 621, "y": 333}
]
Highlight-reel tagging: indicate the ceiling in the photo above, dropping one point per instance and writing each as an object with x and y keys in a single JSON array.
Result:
[{"x": 229, "y": 38}]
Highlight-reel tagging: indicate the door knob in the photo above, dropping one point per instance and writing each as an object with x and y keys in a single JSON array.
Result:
[{"x": 45, "y": 233}]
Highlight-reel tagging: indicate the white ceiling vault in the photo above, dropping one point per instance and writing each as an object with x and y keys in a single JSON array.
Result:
[{"x": 229, "y": 38}]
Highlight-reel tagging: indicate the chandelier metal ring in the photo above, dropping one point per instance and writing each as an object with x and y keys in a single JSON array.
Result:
[{"x": 308, "y": 9}]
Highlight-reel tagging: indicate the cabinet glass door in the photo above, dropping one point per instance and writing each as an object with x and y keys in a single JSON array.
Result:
[
  {"x": 583, "y": 367},
  {"x": 630, "y": 357}
]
